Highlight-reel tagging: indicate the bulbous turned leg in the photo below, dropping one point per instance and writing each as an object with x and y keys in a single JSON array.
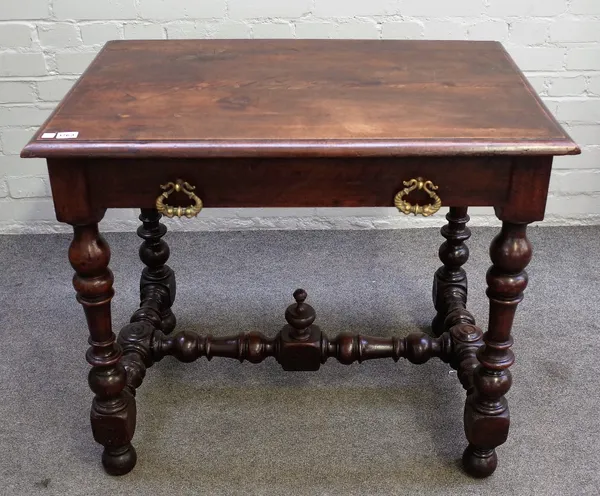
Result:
[
  {"x": 158, "y": 279},
  {"x": 450, "y": 280},
  {"x": 113, "y": 411},
  {"x": 479, "y": 462},
  {"x": 487, "y": 418}
]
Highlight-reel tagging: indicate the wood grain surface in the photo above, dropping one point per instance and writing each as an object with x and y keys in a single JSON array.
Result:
[{"x": 210, "y": 98}]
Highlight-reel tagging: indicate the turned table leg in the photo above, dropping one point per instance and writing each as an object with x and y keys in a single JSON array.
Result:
[
  {"x": 157, "y": 283},
  {"x": 487, "y": 417},
  {"x": 450, "y": 280},
  {"x": 113, "y": 408}
]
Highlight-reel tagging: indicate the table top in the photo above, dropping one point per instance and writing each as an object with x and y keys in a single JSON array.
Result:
[{"x": 210, "y": 98}]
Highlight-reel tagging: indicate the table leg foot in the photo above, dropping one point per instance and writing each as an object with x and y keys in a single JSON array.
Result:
[
  {"x": 478, "y": 462},
  {"x": 450, "y": 280},
  {"x": 113, "y": 425},
  {"x": 119, "y": 461}
]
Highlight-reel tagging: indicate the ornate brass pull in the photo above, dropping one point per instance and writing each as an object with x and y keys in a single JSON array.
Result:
[
  {"x": 425, "y": 210},
  {"x": 178, "y": 186}
]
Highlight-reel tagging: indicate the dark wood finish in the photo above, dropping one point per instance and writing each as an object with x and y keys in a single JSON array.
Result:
[
  {"x": 299, "y": 183},
  {"x": 207, "y": 98},
  {"x": 135, "y": 340},
  {"x": 71, "y": 194},
  {"x": 466, "y": 341},
  {"x": 300, "y": 345},
  {"x": 157, "y": 294},
  {"x": 158, "y": 279},
  {"x": 302, "y": 355},
  {"x": 486, "y": 412},
  {"x": 528, "y": 190},
  {"x": 450, "y": 280},
  {"x": 293, "y": 123},
  {"x": 113, "y": 408}
]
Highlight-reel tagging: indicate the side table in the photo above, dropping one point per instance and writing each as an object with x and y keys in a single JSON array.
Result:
[{"x": 175, "y": 126}]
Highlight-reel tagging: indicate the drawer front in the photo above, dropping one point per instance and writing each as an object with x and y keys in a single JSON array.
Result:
[{"x": 473, "y": 181}]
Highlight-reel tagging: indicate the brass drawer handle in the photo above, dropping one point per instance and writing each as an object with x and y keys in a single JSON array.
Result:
[
  {"x": 178, "y": 186},
  {"x": 425, "y": 210}
]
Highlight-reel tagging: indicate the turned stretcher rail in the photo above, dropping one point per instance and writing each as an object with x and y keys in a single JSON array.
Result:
[
  {"x": 347, "y": 348},
  {"x": 298, "y": 346},
  {"x": 143, "y": 345}
]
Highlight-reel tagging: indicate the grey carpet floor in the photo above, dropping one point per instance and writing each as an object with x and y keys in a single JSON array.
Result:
[{"x": 221, "y": 428}]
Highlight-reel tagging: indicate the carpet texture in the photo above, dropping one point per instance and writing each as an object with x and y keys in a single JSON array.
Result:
[{"x": 221, "y": 428}]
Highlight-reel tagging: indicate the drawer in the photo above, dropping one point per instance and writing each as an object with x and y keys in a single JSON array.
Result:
[{"x": 328, "y": 182}]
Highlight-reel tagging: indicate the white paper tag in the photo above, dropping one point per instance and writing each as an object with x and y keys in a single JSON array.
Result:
[
  {"x": 48, "y": 135},
  {"x": 67, "y": 135}
]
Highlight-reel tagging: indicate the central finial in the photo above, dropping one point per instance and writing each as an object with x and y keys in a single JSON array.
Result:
[
  {"x": 301, "y": 315},
  {"x": 300, "y": 296}
]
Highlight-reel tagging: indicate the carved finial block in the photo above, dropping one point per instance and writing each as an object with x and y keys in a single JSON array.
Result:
[
  {"x": 300, "y": 315},
  {"x": 300, "y": 341}
]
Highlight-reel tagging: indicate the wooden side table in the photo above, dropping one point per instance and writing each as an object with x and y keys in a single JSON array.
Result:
[{"x": 173, "y": 126}]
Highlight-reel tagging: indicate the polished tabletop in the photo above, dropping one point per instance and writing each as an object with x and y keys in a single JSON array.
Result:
[{"x": 201, "y": 98}]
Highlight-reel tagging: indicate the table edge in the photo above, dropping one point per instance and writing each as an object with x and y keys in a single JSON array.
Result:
[{"x": 298, "y": 148}]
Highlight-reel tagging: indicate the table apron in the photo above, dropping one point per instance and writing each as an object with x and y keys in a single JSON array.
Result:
[{"x": 355, "y": 182}]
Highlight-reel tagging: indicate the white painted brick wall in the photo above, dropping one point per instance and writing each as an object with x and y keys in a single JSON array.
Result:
[
  {"x": 266, "y": 9},
  {"x": 529, "y": 32},
  {"x": 594, "y": 85},
  {"x": 46, "y": 44},
  {"x": 401, "y": 30},
  {"x": 565, "y": 85},
  {"x": 16, "y": 35},
  {"x": 30, "y": 9},
  {"x": 188, "y": 29},
  {"x": 27, "y": 187},
  {"x": 59, "y": 35},
  {"x": 98, "y": 33},
  {"x": 435, "y": 9},
  {"x": 585, "y": 7},
  {"x": 17, "y": 92},
  {"x": 73, "y": 62},
  {"x": 526, "y": 8},
  {"x": 347, "y": 8},
  {"x": 583, "y": 59},
  {"x": 493, "y": 30},
  {"x": 178, "y": 9},
  {"x": 143, "y": 31},
  {"x": 53, "y": 90},
  {"x": 357, "y": 29},
  {"x": 579, "y": 31},
  {"x": 273, "y": 30},
  {"x": 18, "y": 64},
  {"x": 231, "y": 29},
  {"x": 113, "y": 9}
]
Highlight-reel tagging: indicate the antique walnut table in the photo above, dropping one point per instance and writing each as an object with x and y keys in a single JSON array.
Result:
[{"x": 172, "y": 126}]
